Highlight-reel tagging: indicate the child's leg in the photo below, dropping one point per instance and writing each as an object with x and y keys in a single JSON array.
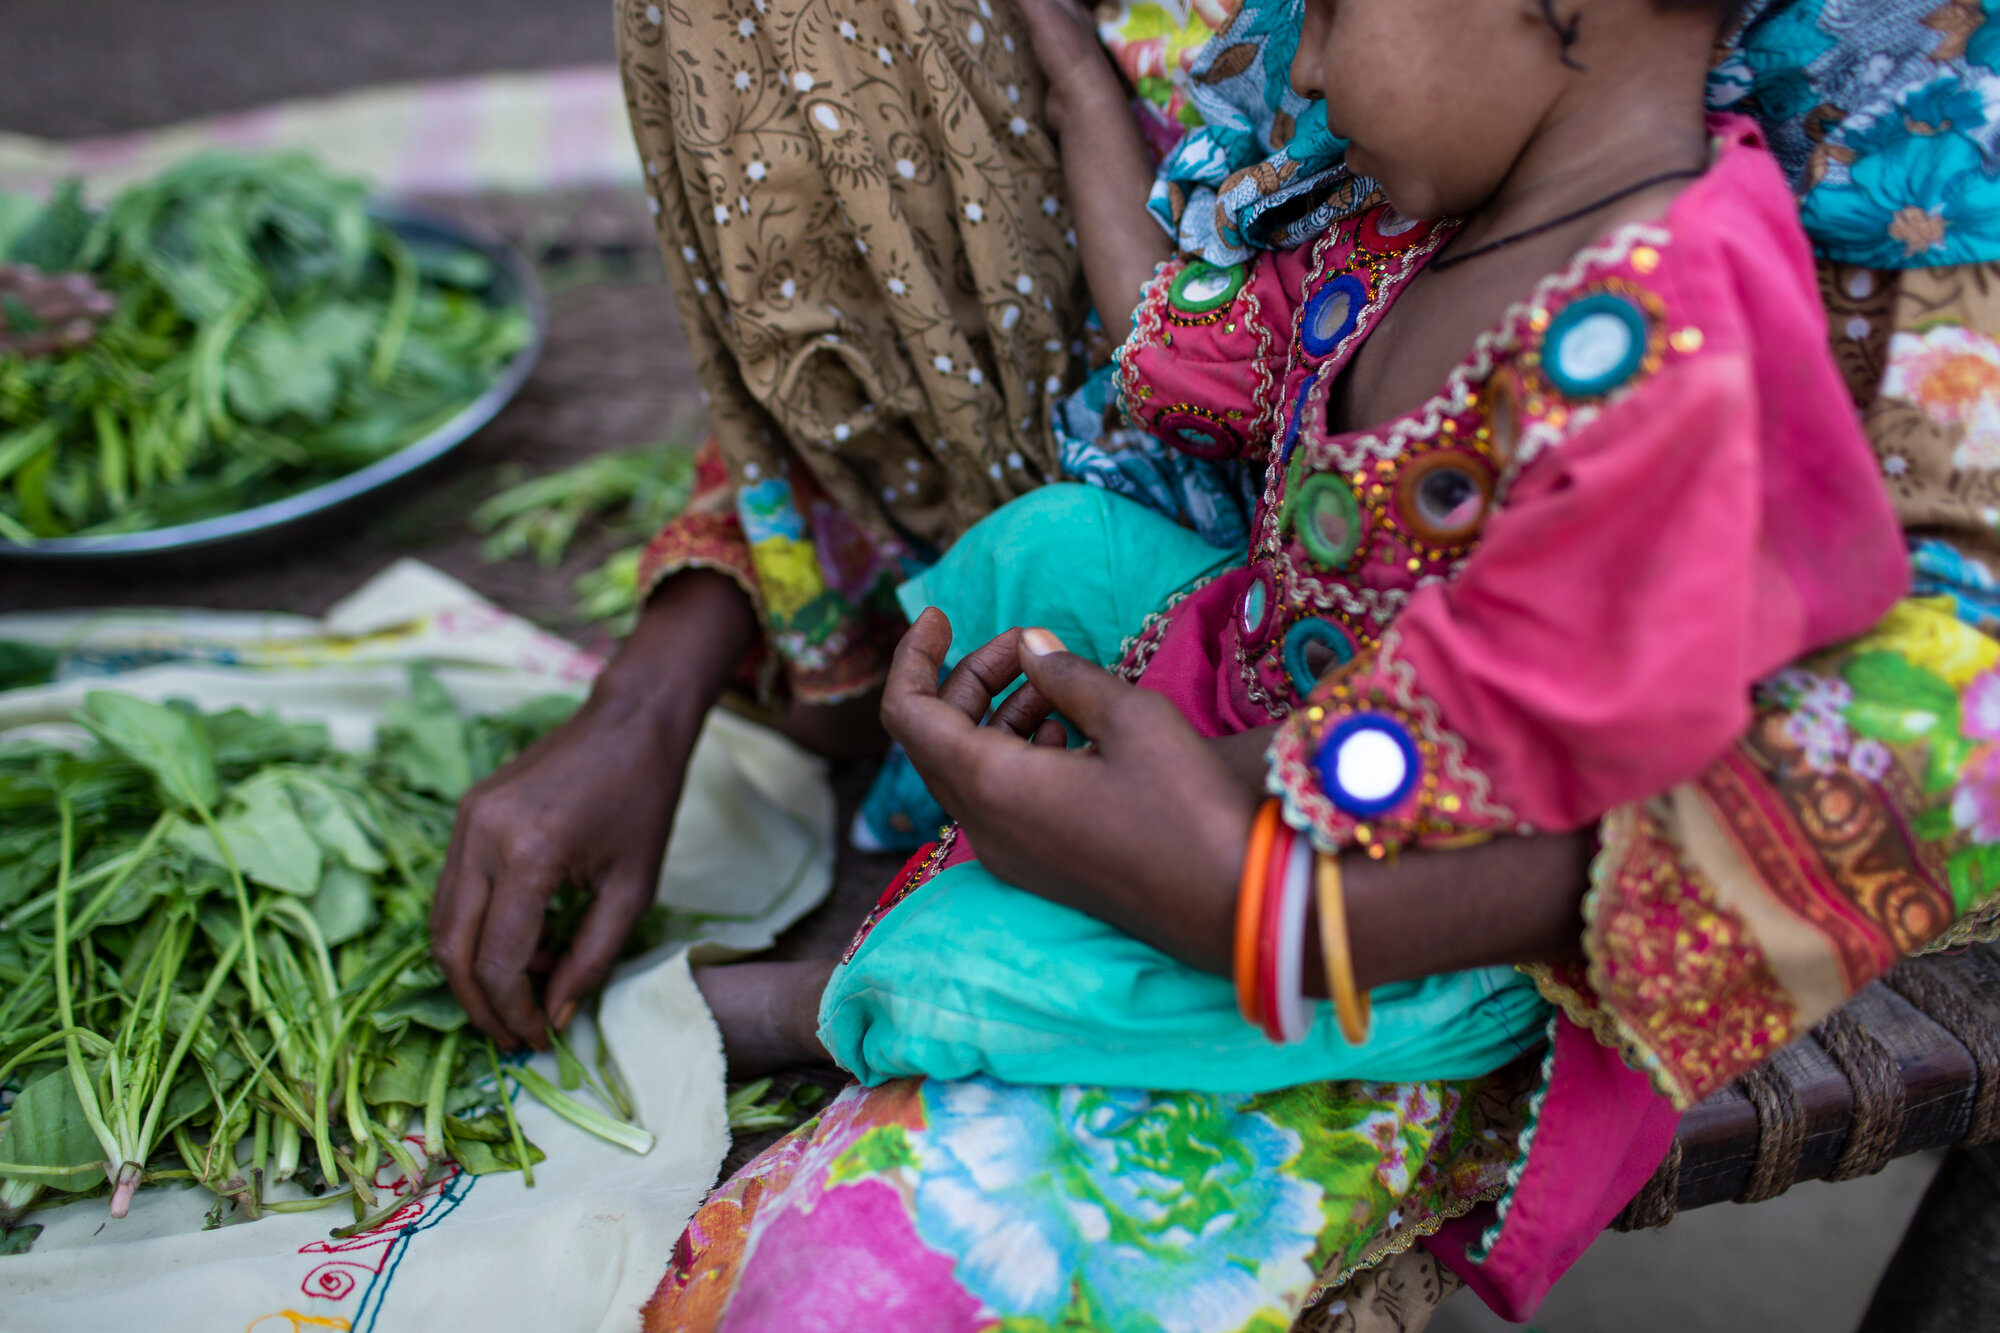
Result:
[{"x": 968, "y": 975}]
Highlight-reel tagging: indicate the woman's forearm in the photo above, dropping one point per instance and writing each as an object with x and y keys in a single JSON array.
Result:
[
  {"x": 1508, "y": 900},
  {"x": 1110, "y": 176},
  {"x": 690, "y": 636},
  {"x": 1511, "y": 900}
]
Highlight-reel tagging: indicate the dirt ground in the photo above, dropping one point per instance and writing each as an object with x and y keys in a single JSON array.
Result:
[{"x": 71, "y": 68}]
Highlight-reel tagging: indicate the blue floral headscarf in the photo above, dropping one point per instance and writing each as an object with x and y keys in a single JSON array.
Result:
[{"x": 1263, "y": 172}]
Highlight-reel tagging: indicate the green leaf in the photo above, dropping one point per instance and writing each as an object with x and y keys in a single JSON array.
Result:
[
  {"x": 47, "y": 1128},
  {"x": 27, "y": 862},
  {"x": 435, "y": 1007},
  {"x": 1895, "y": 700},
  {"x": 270, "y": 842},
  {"x": 282, "y": 368},
  {"x": 53, "y": 241},
  {"x": 237, "y": 737},
  {"x": 18, "y": 1240},
  {"x": 23, "y": 664},
  {"x": 401, "y": 1075},
  {"x": 344, "y": 907},
  {"x": 423, "y": 740},
  {"x": 481, "y": 1158},
  {"x": 164, "y": 741},
  {"x": 339, "y": 820}
]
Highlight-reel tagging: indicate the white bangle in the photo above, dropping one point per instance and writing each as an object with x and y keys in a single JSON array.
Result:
[{"x": 1294, "y": 1016}]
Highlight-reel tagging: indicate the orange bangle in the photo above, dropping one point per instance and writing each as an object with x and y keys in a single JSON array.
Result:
[
  {"x": 1350, "y": 1005},
  {"x": 1250, "y": 908}
]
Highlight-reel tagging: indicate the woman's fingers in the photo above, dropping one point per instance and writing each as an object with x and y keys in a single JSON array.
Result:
[
  {"x": 507, "y": 941},
  {"x": 456, "y": 919},
  {"x": 1085, "y": 693},
  {"x": 588, "y": 961},
  {"x": 982, "y": 674},
  {"x": 1023, "y": 713},
  {"x": 918, "y": 661},
  {"x": 930, "y": 730}
]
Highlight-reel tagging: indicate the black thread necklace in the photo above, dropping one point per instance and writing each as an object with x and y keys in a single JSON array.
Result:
[{"x": 1685, "y": 174}]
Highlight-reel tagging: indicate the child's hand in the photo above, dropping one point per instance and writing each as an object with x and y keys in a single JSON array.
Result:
[
  {"x": 1064, "y": 36},
  {"x": 1145, "y": 829}
]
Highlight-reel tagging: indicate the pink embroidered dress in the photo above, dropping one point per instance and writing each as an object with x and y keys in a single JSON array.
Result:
[{"x": 1548, "y": 590}]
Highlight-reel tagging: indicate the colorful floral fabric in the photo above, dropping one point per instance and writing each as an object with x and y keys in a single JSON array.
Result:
[
  {"x": 1926, "y": 338},
  {"x": 1881, "y": 113},
  {"x": 1154, "y": 44},
  {"x": 977, "y": 1205},
  {"x": 1855, "y": 823}
]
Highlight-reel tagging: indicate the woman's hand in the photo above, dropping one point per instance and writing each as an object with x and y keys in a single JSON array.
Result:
[
  {"x": 1064, "y": 36},
  {"x": 42, "y": 313},
  {"x": 1145, "y": 829},
  {"x": 592, "y": 803},
  {"x": 1106, "y": 163}
]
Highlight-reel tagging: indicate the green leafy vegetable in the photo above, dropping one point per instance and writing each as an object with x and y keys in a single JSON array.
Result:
[
  {"x": 214, "y": 961},
  {"x": 627, "y": 494},
  {"x": 752, "y": 1108},
  {"x": 269, "y": 335}
]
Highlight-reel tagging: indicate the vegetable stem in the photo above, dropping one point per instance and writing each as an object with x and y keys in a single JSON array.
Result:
[{"x": 519, "y": 1139}]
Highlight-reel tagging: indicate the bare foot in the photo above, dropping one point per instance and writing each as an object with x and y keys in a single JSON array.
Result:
[{"x": 768, "y": 1013}]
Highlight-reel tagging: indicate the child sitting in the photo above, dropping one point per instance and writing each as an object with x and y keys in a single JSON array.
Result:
[{"x": 1556, "y": 466}]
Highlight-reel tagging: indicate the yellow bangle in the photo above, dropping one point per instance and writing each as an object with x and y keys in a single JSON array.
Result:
[{"x": 1350, "y": 1005}]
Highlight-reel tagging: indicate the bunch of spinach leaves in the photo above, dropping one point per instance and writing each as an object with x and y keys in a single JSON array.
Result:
[
  {"x": 269, "y": 335},
  {"x": 215, "y": 962}
]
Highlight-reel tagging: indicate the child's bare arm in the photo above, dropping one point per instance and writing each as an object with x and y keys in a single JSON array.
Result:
[{"x": 1103, "y": 155}]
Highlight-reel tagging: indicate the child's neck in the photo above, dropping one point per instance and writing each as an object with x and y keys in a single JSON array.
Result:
[{"x": 1612, "y": 134}]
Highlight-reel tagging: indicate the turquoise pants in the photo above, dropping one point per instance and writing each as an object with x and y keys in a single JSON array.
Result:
[{"x": 970, "y": 975}]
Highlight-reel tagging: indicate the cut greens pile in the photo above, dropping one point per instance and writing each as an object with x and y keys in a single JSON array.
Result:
[
  {"x": 629, "y": 494},
  {"x": 269, "y": 335},
  {"x": 215, "y": 964}
]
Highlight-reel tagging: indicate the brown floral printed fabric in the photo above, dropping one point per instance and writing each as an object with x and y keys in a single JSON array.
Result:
[
  {"x": 1399, "y": 1295},
  {"x": 1923, "y": 360},
  {"x": 868, "y": 239}
]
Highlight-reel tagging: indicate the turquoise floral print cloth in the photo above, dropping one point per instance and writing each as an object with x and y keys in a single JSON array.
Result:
[
  {"x": 1886, "y": 115},
  {"x": 976, "y": 1205},
  {"x": 1213, "y": 496}
]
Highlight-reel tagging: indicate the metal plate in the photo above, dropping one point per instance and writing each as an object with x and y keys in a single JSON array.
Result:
[{"x": 514, "y": 283}]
